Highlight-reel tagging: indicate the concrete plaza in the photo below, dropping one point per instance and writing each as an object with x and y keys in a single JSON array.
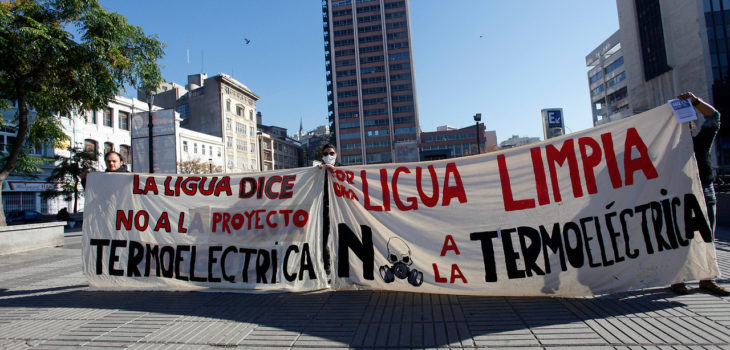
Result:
[{"x": 45, "y": 303}]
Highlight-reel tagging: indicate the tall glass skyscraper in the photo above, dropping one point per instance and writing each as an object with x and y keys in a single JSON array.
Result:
[
  {"x": 371, "y": 88},
  {"x": 717, "y": 21}
]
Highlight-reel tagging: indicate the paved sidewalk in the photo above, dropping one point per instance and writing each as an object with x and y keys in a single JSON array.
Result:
[{"x": 45, "y": 303}]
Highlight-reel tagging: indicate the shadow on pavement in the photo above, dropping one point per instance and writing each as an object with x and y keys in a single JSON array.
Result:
[
  {"x": 5, "y": 293},
  {"x": 361, "y": 318}
]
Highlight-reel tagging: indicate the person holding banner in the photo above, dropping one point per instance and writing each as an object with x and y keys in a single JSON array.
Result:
[
  {"x": 329, "y": 160},
  {"x": 702, "y": 141},
  {"x": 114, "y": 164}
]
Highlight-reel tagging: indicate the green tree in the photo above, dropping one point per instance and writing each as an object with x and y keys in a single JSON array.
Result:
[
  {"x": 67, "y": 173},
  {"x": 63, "y": 56}
]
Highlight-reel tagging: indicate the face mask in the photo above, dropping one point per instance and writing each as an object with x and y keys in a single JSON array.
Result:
[{"x": 328, "y": 159}]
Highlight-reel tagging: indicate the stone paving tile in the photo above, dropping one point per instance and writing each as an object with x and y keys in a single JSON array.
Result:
[
  {"x": 56, "y": 314},
  {"x": 74, "y": 313},
  {"x": 36, "y": 329},
  {"x": 13, "y": 344}
]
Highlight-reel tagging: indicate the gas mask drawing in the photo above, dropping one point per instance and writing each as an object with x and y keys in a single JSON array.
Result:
[{"x": 399, "y": 254}]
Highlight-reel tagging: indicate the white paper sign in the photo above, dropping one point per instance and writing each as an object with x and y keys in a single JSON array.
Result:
[{"x": 683, "y": 110}]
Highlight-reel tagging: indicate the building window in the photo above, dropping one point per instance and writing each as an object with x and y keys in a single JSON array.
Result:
[
  {"x": 202, "y": 149},
  {"x": 91, "y": 146},
  {"x": 250, "y": 114},
  {"x": 38, "y": 148},
  {"x": 377, "y": 133},
  {"x": 108, "y": 147},
  {"x": 616, "y": 79},
  {"x": 195, "y": 147},
  {"x": 228, "y": 123},
  {"x": 401, "y": 131},
  {"x": 185, "y": 146},
  {"x": 90, "y": 117},
  {"x": 350, "y": 136},
  {"x": 250, "y": 131},
  {"x": 219, "y": 151},
  {"x": 239, "y": 111},
  {"x": 253, "y": 147},
  {"x": 229, "y": 141},
  {"x": 108, "y": 117},
  {"x": 651, "y": 36},
  {"x": 594, "y": 78},
  {"x": 228, "y": 105},
  {"x": 381, "y": 157},
  {"x": 615, "y": 64},
  {"x": 353, "y": 159},
  {"x": 123, "y": 120},
  {"x": 183, "y": 110},
  {"x": 126, "y": 153}
]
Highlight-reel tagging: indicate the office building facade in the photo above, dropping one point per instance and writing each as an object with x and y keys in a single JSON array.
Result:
[
  {"x": 518, "y": 141},
  {"x": 607, "y": 81},
  {"x": 371, "y": 86},
  {"x": 278, "y": 151},
  {"x": 673, "y": 46},
  {"x": 219, "y": 106},
  {"x": 450, "y": 142}
]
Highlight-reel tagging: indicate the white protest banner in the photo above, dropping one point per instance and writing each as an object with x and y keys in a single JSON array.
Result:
[
  {"x": 608, "y": 209},
  {"x": 259, "y": 231}
]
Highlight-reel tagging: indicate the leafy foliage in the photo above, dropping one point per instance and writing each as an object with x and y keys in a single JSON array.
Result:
[
  {"x": 196, "y": 166},
  {"x": 64, "y": 56},
  {"x": 68, "y": 174}
]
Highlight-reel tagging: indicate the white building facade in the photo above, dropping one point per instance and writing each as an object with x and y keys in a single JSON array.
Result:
[{"x": 99, "y": 131}]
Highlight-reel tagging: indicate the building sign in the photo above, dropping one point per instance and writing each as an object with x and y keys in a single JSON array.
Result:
[
  {"x": 552, "y": 122},
  {"x": 30, "y": 186},
  {"x": 164, "y": 141},
  {"x": 554, "y": 118}
]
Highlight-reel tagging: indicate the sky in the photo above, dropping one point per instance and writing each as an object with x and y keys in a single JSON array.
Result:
[{"x": 504, "y": 59}]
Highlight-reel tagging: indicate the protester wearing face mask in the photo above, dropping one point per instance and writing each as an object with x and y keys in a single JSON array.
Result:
[
  {"x": 329, "y": 159},
  {"x": 329, "y": 155}
]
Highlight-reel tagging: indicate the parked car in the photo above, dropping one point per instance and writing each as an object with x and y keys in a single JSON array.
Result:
[{"x": 23, "y": 217}]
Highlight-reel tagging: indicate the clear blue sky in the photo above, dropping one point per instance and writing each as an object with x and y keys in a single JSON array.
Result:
[{"x": 504, "y": 59}]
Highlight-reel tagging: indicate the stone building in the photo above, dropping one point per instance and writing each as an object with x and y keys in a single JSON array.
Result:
[{"x": 219, "y": 106}]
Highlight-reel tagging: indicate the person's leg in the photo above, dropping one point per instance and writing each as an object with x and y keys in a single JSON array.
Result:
[
  {"x": 711, "y": 202},
  {"x": 679, "y": 288}
]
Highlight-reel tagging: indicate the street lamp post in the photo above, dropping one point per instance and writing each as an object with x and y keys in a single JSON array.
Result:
[
  {"x": 150, "y": 101},
  {"x": 210, "y": 165},
  {"x": 477, "y": 119}
]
